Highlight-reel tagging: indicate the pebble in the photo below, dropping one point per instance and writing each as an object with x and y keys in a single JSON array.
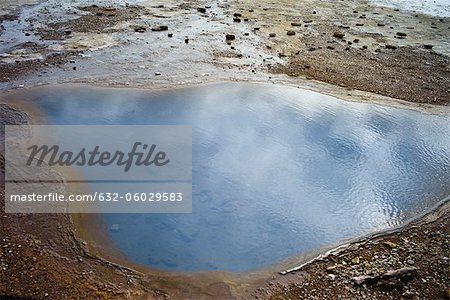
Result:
[
  {"x": 272, "y": 35},
  {"x": 160, "y": 28},
  {"x": 290, "y": 32},
  {"x": 392, "y": 47},
  {"x": 230, "y": 37},
  {"x": 338, "y": 34}
]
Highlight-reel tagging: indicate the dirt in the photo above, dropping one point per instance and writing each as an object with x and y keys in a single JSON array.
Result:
[
  {"x": 97, "y": 19},
  {"x": 382, "y": 73}
]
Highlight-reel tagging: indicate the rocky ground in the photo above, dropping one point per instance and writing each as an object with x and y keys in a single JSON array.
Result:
[
  {"x": 352, "y": 45},
  {"x": 350, "y": 49}
]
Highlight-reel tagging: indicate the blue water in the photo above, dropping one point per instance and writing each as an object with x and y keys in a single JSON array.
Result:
[{"x": 276, "y": 170}]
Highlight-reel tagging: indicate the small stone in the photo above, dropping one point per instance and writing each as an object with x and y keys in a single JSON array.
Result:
[
  {"x": 307, "y": 21},
  {"x": 160, "y": 28},
  {"x": 392, "y": 47},
  {"x": 272, "y": 35},
  {"x": 389, "y": 243},
  {"x": 157, "y": 73},
  {"x": 356, "y": 41},
  {"x": 381, "y": 24},
  {"x": 170, "y": 35},
  {"x": 359, "y": 280},
  {"x": 290, "y": 32},
  {"x": 296, "y": 24},
  {"x": 201, "y": 10},
  {"x": 401, "y": 34},
  {"x": 355, "y": 260},
  {"x": 67, "y": 32},
  {"x": 186, "y": 41},
  {"x": 140, "y": 29},
  {"x": 338, "y": 34},
  {"x": 237, "y": 15},
  {"x": 230, "y": 37},
  {"x": 237, "y": 20},
  {"x": 359, "y": 24},
  {"x": 428, "y": 46}
]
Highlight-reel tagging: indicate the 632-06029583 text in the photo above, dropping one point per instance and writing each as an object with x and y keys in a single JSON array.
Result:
[{"x": 102, "y": 197}]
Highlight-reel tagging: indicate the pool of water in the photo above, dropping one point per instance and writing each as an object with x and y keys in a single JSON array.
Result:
[{"x": 276, "y": 170}]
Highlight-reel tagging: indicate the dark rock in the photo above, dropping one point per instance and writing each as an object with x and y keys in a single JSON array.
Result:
[
  {"x": 356, "y": 41},
  {"x": 237, "y": 20},
  {"x": 338, "y": 34},
  {"x": 160, "y": 28},
  {"x": 381, "y": 24},
  {"x": 330, "y": 47},
  {"x": 427, "y": 46},
  {"x": 307, "y": 21},
  {"x": 296, "y": 24},
  {"x": 272, "y": 35},
  {"x": 170, "y": 35},
  {"x": 186, "y": 41},
  {"x": 290, "y": 32},
  {"x": 359, "y": 24},
  {"x": 230, "y": 37},
  {"x": 401, "y": 34},
  {"x": 237, "y": 15},
  {"x": 389, "y": 46},
  {"x": 140, "y": 29},
  {"x": 201, "y": 10},
  {"x": 67, "y": 32}
]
